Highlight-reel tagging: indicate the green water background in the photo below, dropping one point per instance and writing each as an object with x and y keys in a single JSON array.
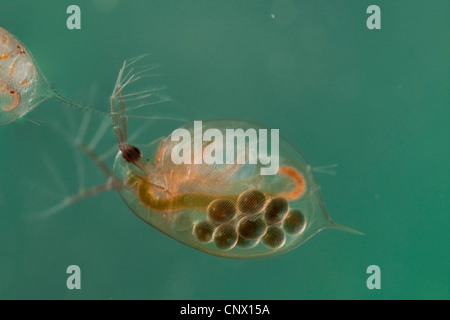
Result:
[{"x": 375, "y": 102}]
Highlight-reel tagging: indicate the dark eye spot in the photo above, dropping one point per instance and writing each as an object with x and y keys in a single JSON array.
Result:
[{"x": 131, "y": 153}]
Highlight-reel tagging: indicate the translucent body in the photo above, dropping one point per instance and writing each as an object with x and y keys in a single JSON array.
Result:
[
  {"x": 22, "y": 85},
  {"x": 227, "y": 210}
]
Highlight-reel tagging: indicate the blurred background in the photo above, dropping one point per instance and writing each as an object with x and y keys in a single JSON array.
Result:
[{"x": 375, "y": 102}]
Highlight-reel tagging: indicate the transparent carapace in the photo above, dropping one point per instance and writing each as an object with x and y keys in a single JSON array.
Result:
[
  {"x": 22, "y": 84},
  {"x": 224, "y": 209}
]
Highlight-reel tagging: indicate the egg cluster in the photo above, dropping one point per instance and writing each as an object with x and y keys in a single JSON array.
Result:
[{"x": 252, "y": 220}]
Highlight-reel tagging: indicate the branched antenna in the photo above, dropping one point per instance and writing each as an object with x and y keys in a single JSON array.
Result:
[{"x": 128, "y": 74}]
